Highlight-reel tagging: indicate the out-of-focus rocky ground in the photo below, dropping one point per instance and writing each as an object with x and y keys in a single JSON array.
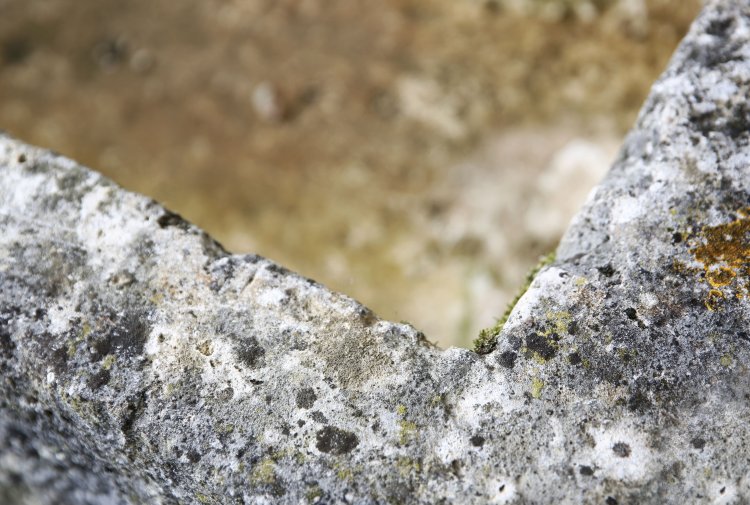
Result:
[{"x": 419, "y": 156}]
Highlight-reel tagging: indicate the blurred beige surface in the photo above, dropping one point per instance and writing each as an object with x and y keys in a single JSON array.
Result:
[{"x": 419, "y": 156}]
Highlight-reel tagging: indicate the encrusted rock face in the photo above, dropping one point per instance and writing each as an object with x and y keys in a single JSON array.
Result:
[{"x": 141, "y": 363}]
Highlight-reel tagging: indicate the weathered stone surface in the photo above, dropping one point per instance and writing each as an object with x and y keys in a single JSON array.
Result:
[{"x": 141, "y": 363}]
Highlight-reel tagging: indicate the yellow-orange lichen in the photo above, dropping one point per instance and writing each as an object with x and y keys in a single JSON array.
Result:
[
  {"x": 720, "y": 277},
  {"x": 724, "y": 251},
  {"x": 714, "y": 299}
]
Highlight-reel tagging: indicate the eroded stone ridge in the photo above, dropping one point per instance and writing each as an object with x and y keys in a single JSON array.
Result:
[{"x": 141, "y": 363}]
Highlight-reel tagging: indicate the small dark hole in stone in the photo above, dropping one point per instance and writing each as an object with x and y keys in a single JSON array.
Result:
[
  {"x": 456, "y": 467},
  {"x": 621, "y": 449},
  {"x": 606, "y": 270}
]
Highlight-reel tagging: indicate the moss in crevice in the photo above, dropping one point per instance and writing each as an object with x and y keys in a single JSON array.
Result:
[
  {"x": 313, "y": 494},
  {"x": 486, "y": 342}
]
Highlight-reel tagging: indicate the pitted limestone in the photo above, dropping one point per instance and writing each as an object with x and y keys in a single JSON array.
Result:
[{"x": 141, "y": 363}]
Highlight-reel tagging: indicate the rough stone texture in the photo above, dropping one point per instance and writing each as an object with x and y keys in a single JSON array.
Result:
[{"x": 141, "y": 363}]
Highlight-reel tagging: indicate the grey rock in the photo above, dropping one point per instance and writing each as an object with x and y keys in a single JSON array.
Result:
[{"x": 141, "y": 363}]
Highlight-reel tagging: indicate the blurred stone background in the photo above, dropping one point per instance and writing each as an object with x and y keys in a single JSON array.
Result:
[{"x": 417, "y": 155}]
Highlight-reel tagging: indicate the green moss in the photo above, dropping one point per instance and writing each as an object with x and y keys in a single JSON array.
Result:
[
  {"x": 627, "y": 355},
  {"x": 263, "y": 472},
  {"x": 345, "y": 471},
  {"x": 73, "y": 343},
  {"x": 76, "y": 404},
  {"x": 203, "y": 498},
  {"x": 536, "y": 387},
  {"x": 407, "y": 466},
  {"x": 314, "y": 494},
  {"x": 486, "y": 342},
  {"x": 72, "y": 346},
  {"x": 538, "y": 359},
  {"x": 225, "y": 429},
  {"x": 157, "y": 298},
  {"x": 559, "y": 321},
  {"x": 83, "y": 408},
  {"x": 407, "y": 432},
  {"x": 281, "y": 454},
  {"x": 108, "y": 361}
]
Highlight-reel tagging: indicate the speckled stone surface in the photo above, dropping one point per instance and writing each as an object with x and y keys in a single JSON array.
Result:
[{"x": 141, "y": 363}]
